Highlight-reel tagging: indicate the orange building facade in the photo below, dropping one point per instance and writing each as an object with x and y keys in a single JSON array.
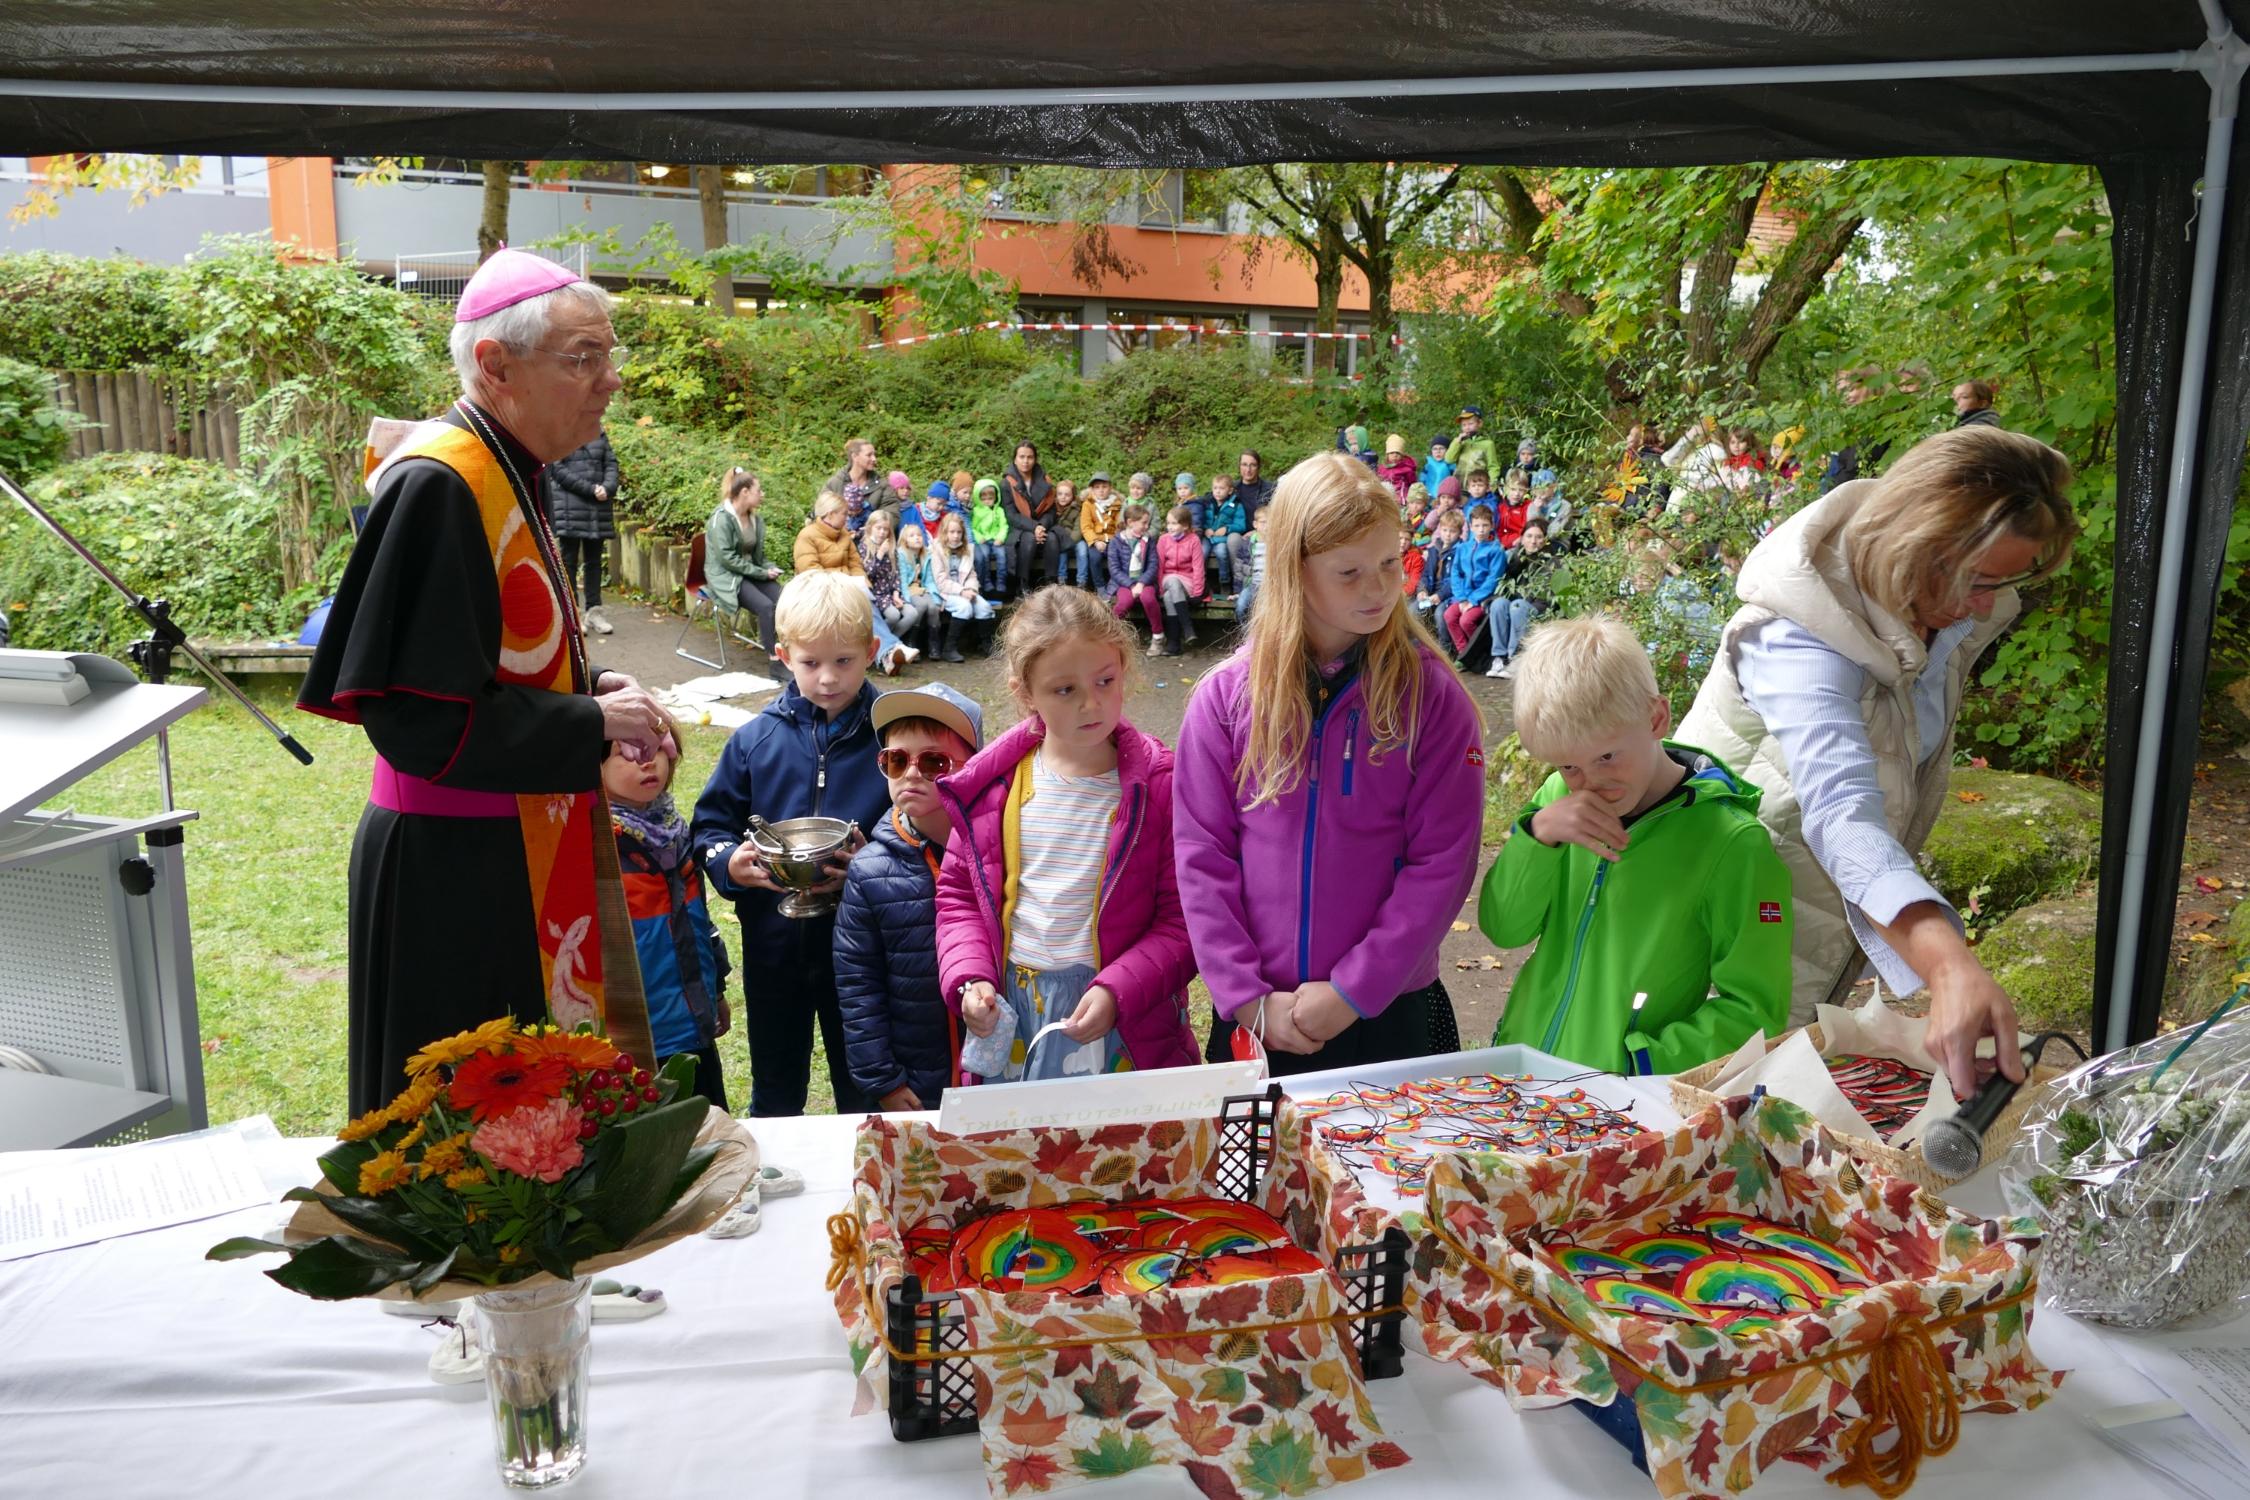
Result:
[{"x": 407, "y": 226}]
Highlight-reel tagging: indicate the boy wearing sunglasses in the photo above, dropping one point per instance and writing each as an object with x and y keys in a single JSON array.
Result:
[{"x": 899, "y": 1036}]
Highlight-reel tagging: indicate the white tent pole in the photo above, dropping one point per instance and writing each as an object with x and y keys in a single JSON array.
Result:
[
  {"x": 2222, "y": 64},
  {"x": 455, "y": 100}
]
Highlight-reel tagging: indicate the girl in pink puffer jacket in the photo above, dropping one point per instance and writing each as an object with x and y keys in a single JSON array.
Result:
[{"x": 1061, "y": 943}]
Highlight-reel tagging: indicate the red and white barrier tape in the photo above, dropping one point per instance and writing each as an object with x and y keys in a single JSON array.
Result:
[{"x": 1220, "y": 330}]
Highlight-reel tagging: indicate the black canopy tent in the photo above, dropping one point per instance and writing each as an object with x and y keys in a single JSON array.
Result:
[{"x": 2149, "y": 96}]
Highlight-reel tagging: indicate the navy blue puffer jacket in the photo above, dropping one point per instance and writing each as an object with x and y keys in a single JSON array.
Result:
[{"x": 897, "y": 1029}]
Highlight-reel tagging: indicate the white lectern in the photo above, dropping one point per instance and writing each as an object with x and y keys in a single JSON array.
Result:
[{"x": 97, "y": 975}]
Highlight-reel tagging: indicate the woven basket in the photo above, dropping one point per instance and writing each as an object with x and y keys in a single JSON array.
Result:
[{"x": 1691, "y": 1097}]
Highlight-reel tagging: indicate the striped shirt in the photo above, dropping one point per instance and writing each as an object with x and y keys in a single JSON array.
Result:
[{"x": 1064, "y": 838}]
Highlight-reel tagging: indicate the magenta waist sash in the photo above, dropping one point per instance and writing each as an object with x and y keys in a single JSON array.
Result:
[{"x": 399, "y": 792}]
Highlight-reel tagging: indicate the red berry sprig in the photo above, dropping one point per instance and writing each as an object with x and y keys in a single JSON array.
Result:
[{"x": 621, "y": 1088}]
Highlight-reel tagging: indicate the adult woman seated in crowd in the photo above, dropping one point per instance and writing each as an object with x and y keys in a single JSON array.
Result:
[
  {"x": 734, "y": 557},
  {"x": 1032, "y": 520},
  {"x": 1837, "y": 687}
]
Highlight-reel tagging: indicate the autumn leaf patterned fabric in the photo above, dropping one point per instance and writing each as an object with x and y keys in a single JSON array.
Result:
[
  {"x": 1253, "y": 1389},
  {"x": 1716, "y": 1409}
]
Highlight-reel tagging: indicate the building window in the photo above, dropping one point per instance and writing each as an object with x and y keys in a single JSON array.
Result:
[
  {"x": 1161, "y": 328},
  {"x": 1194, "y": 199},
  {"x": 1061, "y": 342}
]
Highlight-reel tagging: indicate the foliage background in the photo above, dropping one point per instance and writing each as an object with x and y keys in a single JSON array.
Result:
[{"x": 1953, "y": 268}]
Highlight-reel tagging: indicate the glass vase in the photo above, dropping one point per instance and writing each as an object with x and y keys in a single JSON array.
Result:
[{"x": 536, "y": 1361}]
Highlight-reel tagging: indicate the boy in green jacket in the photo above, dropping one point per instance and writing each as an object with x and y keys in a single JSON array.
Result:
[
  {"x": 988, "y": 534},
  {"x": 1661, "y": 911}
]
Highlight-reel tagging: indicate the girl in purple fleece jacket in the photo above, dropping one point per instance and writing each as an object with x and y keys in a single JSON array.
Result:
[
  {"x": 1329, "y": 795},
  {"x": 1060, "y": 940}
]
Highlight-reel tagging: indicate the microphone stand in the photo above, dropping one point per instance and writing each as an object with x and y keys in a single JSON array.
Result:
[{"x": 153, "y": 654}]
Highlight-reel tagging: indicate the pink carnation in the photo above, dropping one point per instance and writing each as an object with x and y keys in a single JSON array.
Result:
[{"x": 536, "y": 1141}]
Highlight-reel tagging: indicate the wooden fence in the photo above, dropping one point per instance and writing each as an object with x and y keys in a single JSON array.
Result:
[{"x": 134, "y": 411}]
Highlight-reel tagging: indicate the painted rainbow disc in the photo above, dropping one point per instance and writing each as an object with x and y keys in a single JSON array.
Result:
[
  {"x": 1744, "y": 1325},
  {"x": 1662, "y": 1252},
  {"x": 1840, "y": 1264},
  {"x": 1135, "y": 1271},
  {"x": 1619, "y": 1294},
  {"x": 1225, "y": 1270},
  {"x": 1577, "y": 1260},
  {"x": 1727, "y": 1228},
  {"x": 1732, "y": 1281},
  {"x": 1221, "y": 1237},
  {"x": 1036, "y": 1249}
]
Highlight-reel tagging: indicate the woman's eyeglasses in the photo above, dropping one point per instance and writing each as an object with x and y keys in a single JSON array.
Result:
[
  {"x": 584, "y": 364},
  {"x": 931, "y": 763}
]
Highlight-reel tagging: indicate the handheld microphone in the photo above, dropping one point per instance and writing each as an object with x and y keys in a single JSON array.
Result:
[{"x": 1955, "y": 1147}]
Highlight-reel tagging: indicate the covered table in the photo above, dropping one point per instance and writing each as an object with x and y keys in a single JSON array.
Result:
[{"x": 135, "y": 1368}]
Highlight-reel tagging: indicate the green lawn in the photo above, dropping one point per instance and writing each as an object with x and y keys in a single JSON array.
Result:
[{"x": 266, "y": 899}]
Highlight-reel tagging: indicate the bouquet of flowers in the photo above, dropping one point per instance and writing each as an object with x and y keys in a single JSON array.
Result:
[{"x": 515, "y": 1151}]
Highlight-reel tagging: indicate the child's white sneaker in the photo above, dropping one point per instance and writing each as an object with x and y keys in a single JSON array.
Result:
[
  {"x": 1156, "y": 645},
  {"x": 599, "y": 621}
]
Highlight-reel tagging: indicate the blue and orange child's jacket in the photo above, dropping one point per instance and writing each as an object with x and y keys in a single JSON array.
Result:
[{"x": 683, "y": 964}]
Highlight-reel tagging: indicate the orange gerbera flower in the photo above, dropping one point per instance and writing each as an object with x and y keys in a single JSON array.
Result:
[
  {"x": 581, "y": 1052},
  {"x": 382, "y": 1172},
  {"x": 492, "y": 1084}
]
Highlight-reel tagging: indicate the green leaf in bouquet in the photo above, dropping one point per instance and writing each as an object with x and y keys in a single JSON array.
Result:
[
  {"x": 341, "y": 1162},
  {"x": 628, "y": 1182},
  {"x": 553, "y": 1257},
  {"x": 336, "y": 1268},
  {"x": 373, "y": 1216},
  {"x": 698, "y": 1161},
  {"x": 242, "y": 1247},
  {"x": 677, "y": 1077},
  {"x": 433, "y": 1273}
]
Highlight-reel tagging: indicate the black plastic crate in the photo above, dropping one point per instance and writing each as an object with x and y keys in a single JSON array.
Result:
[{"x": 932, "y": 1398}]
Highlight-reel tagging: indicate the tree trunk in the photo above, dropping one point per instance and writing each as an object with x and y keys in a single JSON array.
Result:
[
  {"x": 710, "y": 191},
  {"x": 1328, "y": 290},
  {"x": 1805, "y": 265},
  {"x": 1714, "y": 278},
  {"x": 492, "y": 224}
]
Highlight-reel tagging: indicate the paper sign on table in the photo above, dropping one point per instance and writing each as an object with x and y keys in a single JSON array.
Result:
[
  {"x": 1089, "y": 1103},
  {"x": 2211, "y": 1381},
  {"x": 79, "y": 1197}
]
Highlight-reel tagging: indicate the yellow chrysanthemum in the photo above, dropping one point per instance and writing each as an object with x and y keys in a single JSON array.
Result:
[
  {"x": 490, "y": 1037},
  {"x": 467, "y": 1177},
  {"x": 414, "y": 1136},
  {"x": 416, "y": 1101},
  {"x": 382, "y": 1172},
  {"x": 366, "y": 1125},
  {"x": 448, "y": 1155},
  {"x": 511, "y": 1255}
]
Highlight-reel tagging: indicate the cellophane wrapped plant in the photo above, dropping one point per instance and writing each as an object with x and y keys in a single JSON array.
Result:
[
  {"x": 515, "y": 1152},
  {"x": 1859, "y": 1389},
  {"x": 2138, "y": 1164}
]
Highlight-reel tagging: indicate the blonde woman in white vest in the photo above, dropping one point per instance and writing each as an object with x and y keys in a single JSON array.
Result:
[{"x": 1837, "y": 686}]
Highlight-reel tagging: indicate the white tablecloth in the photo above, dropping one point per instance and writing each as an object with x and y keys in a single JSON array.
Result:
[{"x": 135, "y": 1368}]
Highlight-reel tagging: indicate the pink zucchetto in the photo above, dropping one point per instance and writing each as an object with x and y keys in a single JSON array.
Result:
[{"x": 506, "y": 278}]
